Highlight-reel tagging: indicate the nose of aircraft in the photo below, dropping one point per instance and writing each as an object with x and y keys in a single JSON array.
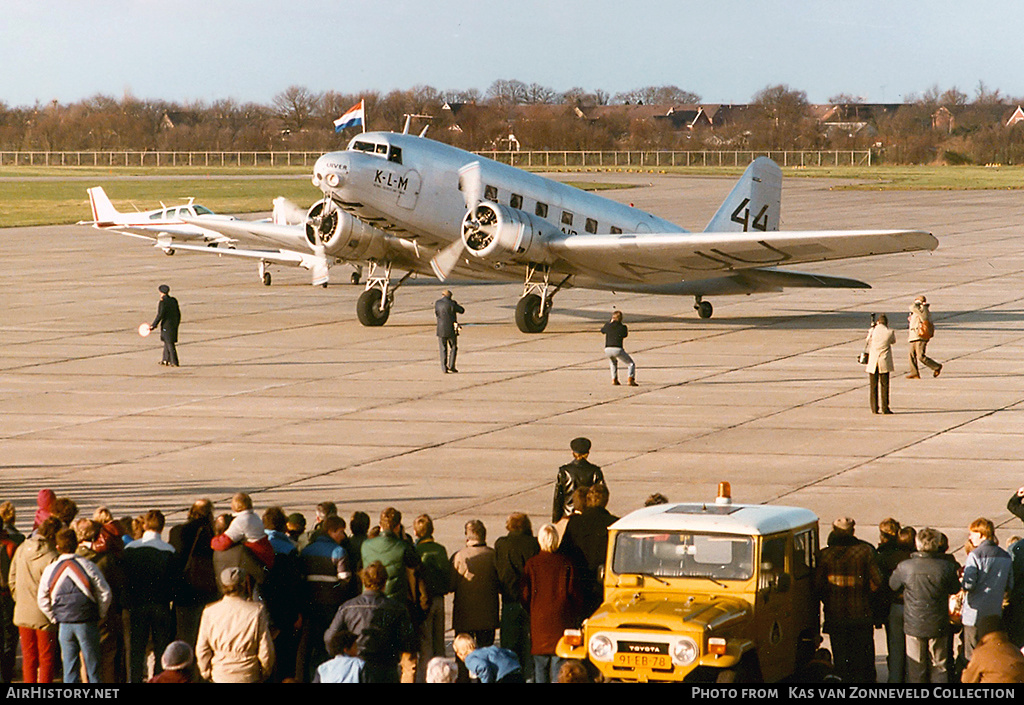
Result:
[{"x": 331, "y": 172}]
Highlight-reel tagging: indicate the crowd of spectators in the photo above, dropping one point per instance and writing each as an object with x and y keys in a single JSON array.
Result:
[{"x": 249, "y": 597}]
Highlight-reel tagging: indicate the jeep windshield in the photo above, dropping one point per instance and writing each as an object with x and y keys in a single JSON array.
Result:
[{"x": 682, "y": 555}]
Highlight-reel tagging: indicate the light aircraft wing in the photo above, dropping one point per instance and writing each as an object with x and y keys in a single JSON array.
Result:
[
  {"x": 285, "y": 257},
  {"x": 660, "y": 258},
  {"x": 257, "y": 231}
]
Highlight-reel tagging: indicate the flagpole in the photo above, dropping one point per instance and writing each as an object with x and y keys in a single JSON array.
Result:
[{"x": 362, "y": 107}]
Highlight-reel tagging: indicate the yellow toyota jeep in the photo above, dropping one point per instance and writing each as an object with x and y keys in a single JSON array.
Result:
[{"x": 707, "y": 592}]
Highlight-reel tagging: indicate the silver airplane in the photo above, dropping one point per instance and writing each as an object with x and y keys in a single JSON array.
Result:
[{"x": 408, "y": 203}]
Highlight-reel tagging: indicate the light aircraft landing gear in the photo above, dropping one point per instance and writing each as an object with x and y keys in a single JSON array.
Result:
[
  {"x": 703, "y": 308},
  {"x": 535, "y": 305},
  {"x": 374, "y": 304},
  {"x": 264, "y": 274}
]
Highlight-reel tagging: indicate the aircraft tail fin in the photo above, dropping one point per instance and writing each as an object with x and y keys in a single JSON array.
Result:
[
  {"x": 753, "y": 203},
  {"x": 103, "y": 210}
]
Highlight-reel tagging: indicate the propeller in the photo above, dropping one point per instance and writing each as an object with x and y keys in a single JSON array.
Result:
[
  {"x": 472, "y": 186},
  {"x": 321, "y": 269}
]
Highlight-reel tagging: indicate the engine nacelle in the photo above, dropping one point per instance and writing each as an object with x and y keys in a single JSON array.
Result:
[
  {"x": 342, "y": 235},
  {"x": 499, "y": 233}
]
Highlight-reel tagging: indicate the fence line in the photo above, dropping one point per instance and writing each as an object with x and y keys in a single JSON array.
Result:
[{"x": 526, "y": 159}]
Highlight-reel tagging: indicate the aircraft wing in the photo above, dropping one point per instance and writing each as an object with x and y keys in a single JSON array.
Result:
[
  {"x": 257, "y": 231},
  {"x": 662, "y": 258},
  {"x": 152, "y": 232},
  {"x": 287, "y": 257}
]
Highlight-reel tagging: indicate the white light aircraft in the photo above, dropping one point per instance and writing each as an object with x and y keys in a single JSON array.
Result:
[
  {"x": 191, "y": 227},
  {"x": 406, "y": 202}
]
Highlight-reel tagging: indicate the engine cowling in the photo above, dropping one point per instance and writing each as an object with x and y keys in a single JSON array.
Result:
[
  {"x": 342, "y": 235},
  {"x": 499, "y": 233}
]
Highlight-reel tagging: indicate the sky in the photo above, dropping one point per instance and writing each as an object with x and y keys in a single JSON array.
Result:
[{"x": 723, "y": 50}]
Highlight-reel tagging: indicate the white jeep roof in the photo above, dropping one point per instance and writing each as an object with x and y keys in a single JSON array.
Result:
[{"x": 745, "y": 519}]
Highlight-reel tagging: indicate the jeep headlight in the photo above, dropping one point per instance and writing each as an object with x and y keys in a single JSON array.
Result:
[
  {"x": 685, "y": 652},
  {"x": 601, "y": 647}
]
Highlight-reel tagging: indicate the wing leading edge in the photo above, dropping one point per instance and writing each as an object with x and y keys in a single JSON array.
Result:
[{"x": 664, "y": 258}]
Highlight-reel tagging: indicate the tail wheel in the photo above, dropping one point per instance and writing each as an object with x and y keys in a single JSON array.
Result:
[
  {"x": 370, "y": 310},
  {"x": 531, "y": 316}
]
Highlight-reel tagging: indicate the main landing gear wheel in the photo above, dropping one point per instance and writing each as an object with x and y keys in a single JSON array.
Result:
[
  {"x": 266, "y": 279},
  {"x": 704, "y": 309},
  {"x": 369, "y": 310},
  {"x": 530, "y": 314}
]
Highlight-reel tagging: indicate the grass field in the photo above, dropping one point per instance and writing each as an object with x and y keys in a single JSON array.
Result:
[{"x": 53, "y": 195}]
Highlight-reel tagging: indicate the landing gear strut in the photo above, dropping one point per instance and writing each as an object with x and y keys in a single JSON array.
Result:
[
  {"x": 374, "y": 304},
  {"x": 703, "y": 308},
  {"x": 535, "y": 305}
]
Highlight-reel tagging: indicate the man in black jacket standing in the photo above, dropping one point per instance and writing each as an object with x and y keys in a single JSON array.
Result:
[
  {"x": 615, "y": 332},
  {"x": 579, "y": 473},
  {"x": 446, "y": 310},
  {"x": 168, "y": 316}
]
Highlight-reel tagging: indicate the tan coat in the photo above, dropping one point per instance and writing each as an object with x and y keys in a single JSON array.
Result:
[
  {"x": 880, "y": 341},
  {"x": 30, "y": 560},
  {"x": 918, "y": 313},
  {"x": 234, "y": 644},
  {"x": 476, "y": 587}
]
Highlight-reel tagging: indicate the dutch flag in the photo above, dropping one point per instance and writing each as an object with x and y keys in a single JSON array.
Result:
[{"x": 353, "y": 116}]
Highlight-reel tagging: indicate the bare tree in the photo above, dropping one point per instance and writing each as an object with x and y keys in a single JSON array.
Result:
[{"x": 295, "y": 106}]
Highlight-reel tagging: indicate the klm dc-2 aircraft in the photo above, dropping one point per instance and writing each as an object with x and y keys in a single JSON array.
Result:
[{"x": 407, "y": 203}]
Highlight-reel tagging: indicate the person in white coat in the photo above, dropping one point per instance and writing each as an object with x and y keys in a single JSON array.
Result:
[{"x": 879, "y": 348}]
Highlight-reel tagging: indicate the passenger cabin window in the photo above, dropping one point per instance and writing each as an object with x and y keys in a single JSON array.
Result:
[
  {"x": 566, "y": 218},
  {"x": 382, "y": 149},
  {"x": 491, "y": 193},
  {"x": 616, "y": 230},
  {"x": 395, "y": 155},
  {"x": 541, "y": 209},
  {"x": 516, "y": 201},
  {"x": 591, "y": 226}
]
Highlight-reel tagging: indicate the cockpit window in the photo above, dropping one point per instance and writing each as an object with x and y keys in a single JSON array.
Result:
[
  {"x": 364, "y": 146},
  {"x": 203, "y": 210},
  {"x": 382, "y": 149},
  {"x": 159, "y": 215},
  {"x": 395, "y": 155}
]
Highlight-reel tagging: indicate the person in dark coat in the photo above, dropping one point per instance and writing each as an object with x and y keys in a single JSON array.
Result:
[
  {"x": 511, "y": 552},
  {"x": 927, "y": 579},
  {"x": 846, "y": 578},
  {"x": 193, "y": 567},
  {"x": 579, "y": 473},
  {"x": 168, "y": 317},
  {"x": 585, "y": 543},
  {"x": 447, "y": 310},
  {"x": 384, "y": 632}
]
